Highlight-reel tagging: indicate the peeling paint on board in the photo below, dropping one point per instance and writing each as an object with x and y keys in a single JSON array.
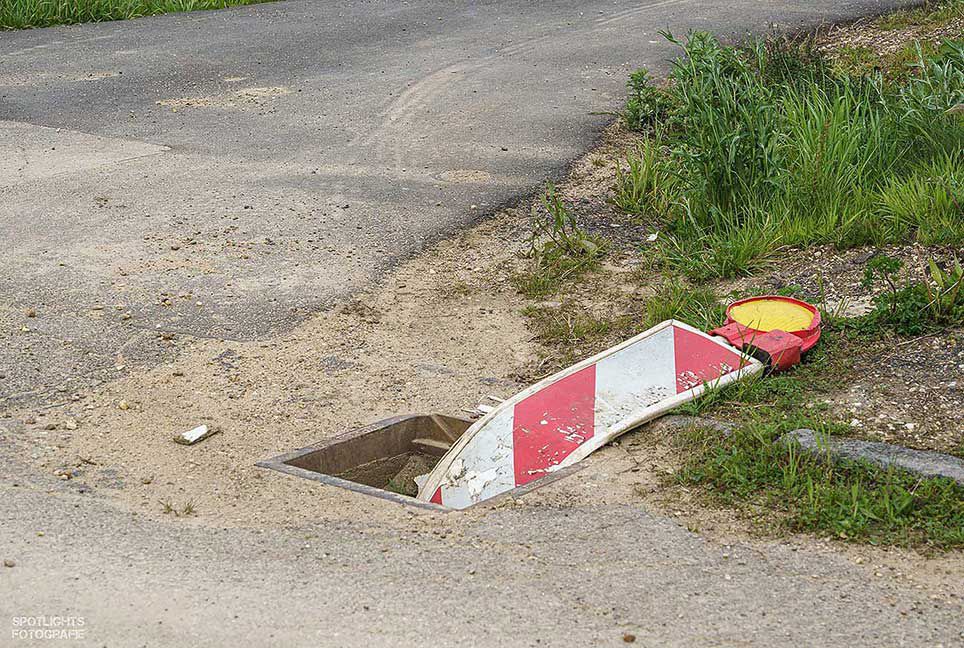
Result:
[{"x": 564, "y": 418}]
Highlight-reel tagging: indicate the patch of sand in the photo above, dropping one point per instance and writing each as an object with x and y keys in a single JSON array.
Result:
[
  {"x": 414, "y": 345},
  {"x": 242, "y": 99}
]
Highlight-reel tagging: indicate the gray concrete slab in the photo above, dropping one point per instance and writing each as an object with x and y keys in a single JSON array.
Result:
[
  {"x": 308, "y": 146},
  {"x": 39, "y": 152}
]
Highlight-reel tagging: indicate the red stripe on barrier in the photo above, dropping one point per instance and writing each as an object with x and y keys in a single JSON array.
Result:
[
  {"x": 699, "y": 360},
  {"x": 437, "y": 497},
  {"x": 551, "y": 423}
]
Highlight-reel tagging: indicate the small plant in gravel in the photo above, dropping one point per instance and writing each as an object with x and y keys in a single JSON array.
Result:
[
  {"x": 400, "y": 487},
  {"x": 168, "y": 507},
  {"x": 884, "y": 268},
  {"x": 559, "y": 248},
  {"x": 916, "y": 307}
]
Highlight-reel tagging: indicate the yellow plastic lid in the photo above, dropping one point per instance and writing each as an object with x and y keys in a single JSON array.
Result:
[{"x": 769, "y": 314}]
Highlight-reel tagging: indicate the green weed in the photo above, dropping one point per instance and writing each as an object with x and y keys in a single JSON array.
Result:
[
  {"x": 916, "y": 307},
  {"x": 401, "y": 487},
  {"x": 945, "y": 293},
  {"x": 559, "y": 248},
  {"x": 646, "y": 104},
  {"x": 167, "y": 507}
]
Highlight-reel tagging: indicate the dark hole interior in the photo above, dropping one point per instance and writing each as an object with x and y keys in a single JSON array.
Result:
[{"x": 387, "y": 455}]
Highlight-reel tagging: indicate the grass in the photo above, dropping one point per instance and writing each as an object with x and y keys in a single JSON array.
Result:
[
  {"x": 924, "y": 23},
  {"x": 848, "y": 500},
  {"x": 862, "y": 60},
  {"x": 751, "y": 471},
  {"x": 929, "y": 14},
  {"x": 697, "y": 306},
  {"x": 645, "y": 187},
  {"x": 574, "y": 334},
  {"x": 754, "y": 149},
  {"x": 751, "y": 151},
  {"x": 23, "y": 14}
]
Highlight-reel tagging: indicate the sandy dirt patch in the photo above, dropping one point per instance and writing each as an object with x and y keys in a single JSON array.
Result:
[
  {"x": 440, "y": 334},
  {"x": 243, "y": 99}
]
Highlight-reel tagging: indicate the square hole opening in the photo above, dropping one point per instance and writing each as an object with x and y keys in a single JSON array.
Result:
[{"x": 383, "y": 459}]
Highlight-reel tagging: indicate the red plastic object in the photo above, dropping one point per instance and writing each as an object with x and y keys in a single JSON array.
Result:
[{"x": 780, "y": 349}]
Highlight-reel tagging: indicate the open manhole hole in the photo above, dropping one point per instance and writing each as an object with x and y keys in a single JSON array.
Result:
[{"x": 383, "y": 459}]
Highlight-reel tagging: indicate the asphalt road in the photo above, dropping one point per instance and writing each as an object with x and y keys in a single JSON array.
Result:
[
  {"x": 531, "y": 575},
  {"x": 224, "y": 174}
]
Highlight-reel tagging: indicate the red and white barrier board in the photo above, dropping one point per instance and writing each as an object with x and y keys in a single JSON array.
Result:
[{"x": 564, "y": 418}]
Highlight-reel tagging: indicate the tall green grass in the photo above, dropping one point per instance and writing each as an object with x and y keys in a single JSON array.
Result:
[
  {"x": 769, "y": 145},
  {"x": 21, "y": 14}
]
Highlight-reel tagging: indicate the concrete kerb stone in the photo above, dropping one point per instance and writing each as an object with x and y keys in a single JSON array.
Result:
[{"x": 925, "y": 463}]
